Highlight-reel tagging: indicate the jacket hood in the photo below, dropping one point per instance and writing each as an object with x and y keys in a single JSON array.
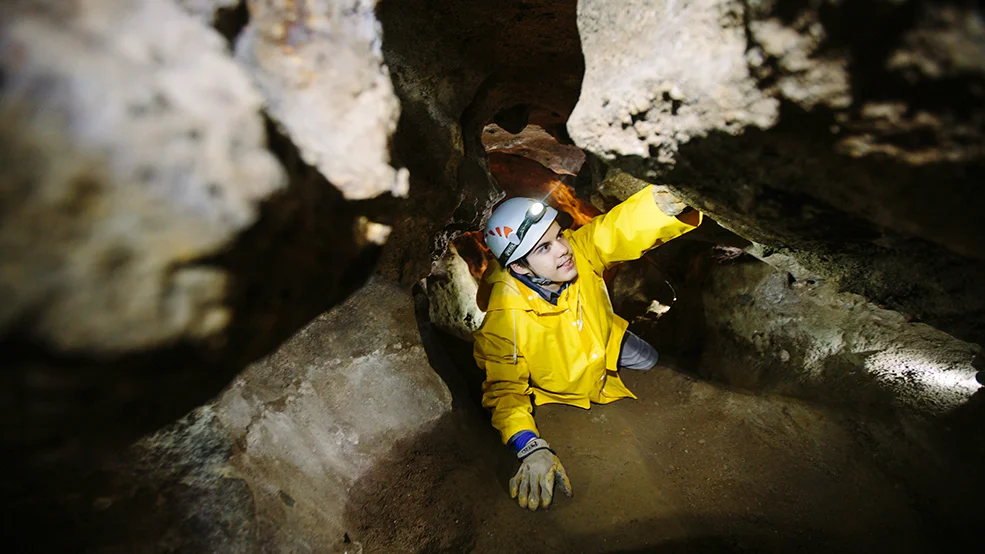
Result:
[{"x": 500, "y": 291}]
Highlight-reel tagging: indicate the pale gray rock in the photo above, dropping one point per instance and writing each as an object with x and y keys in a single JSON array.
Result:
[
  {"x": 452, "y": 291},
  {"x": 131, "y": 146},
  {"x": 832, "y": 345},
  {"x": 320, "y": 69},
  {"x": 804, "y": 75},
  {"x": 328, "y": 405},
  {"x": 872, "y": 162},
  {"x": 204, "y": 10},
  {"x": 270, "y": 464},
  {"x": 658, "y": 74}
]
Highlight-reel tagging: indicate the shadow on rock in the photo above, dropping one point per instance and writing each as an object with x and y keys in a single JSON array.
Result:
[{"x": 69, "y": 412}]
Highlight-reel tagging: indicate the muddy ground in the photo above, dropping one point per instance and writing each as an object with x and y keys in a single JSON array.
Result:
[{"x": 689, "y": 467}]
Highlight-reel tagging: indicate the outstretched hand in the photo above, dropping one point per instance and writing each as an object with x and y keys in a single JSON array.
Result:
[
  {"x": 667, "y": 201},
  {"x": 533, "y": 484}
]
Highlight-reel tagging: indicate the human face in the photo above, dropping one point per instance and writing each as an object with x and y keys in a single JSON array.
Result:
[{"x": 552, "y": 257}]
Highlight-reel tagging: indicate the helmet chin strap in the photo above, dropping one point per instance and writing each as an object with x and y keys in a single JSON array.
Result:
[
  {"x": 534, "y": 278},
  {"x": 538, "y": 279}
]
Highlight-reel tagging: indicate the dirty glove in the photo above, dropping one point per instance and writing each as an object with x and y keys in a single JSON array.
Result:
[
  {"x": 667, "y": 201},
  {"x": 533, "y": 484}
]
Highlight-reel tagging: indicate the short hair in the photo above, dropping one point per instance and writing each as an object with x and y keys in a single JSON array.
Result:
[{"x": 522, "y": 261}]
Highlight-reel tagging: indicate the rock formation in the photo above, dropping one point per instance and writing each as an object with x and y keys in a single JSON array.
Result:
[{"x": 247, "y": 211}]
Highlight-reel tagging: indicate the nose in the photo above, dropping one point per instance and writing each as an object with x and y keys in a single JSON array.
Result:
[{"x": 564, "y": 248}]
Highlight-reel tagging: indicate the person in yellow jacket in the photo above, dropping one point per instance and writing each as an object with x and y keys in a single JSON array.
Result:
[{"x": 550, "y": 334}]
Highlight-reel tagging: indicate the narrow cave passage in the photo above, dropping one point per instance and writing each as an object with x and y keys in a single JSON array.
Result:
[
  {"x": 730, "y": 447},
  {"x": 240, "y": 250}
]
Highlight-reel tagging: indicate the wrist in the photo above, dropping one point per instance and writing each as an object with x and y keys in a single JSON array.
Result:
[
  {"x": 520, "y": 439},
  {"x": 536, "y": 445}
]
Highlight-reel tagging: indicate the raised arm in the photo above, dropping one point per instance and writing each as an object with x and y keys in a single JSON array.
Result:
[{"x": 635, "y": 226}]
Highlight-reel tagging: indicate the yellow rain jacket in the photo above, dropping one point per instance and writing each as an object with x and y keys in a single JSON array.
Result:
[{"x": 566, "y": 353}]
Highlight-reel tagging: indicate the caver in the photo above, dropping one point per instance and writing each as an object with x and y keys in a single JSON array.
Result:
[{"x": 550, "y": 334}]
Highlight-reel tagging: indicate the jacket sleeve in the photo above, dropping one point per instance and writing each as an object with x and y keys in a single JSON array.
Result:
[
  {"x": 629, "y": 230},
  {"x": 506, "y": 390}
]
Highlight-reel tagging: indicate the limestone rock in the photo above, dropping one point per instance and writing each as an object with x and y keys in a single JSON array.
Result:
[
  {"x": 451, "y": 291},
  {"x": 658, "y": 74},
  {"x": 204, "y": 10},
  {"x": 319, "y": 67},
  {"x": 853, "y": 148},
  {"x": 269, "y": 465},
  {"x": 790, "y": 51},
  {"x": 326, "y": 407},
  {"x": 131, "y": 146},
  {"x": 614, "y": 187},
  {"x": 807, "y": 339}
]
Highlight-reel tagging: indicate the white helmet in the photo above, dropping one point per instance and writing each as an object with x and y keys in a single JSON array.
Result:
[{"x": 515, "y": 227}]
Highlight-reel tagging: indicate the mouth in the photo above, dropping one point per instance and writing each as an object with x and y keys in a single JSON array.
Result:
[{"x": 567, "y": 263}]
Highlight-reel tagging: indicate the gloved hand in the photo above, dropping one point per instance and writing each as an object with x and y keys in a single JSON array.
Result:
[
  {"x": 667, "y": 201},
  {"x": 533, "y": 484}
]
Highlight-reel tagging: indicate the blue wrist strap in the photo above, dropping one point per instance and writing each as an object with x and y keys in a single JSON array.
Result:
[{"x": 520, "y": 439}]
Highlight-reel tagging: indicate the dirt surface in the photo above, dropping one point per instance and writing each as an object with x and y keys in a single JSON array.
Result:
[{"x": 689, "y": 467}]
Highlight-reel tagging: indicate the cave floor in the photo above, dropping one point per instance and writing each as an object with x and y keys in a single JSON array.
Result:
[{"x": 689, "y": 467}]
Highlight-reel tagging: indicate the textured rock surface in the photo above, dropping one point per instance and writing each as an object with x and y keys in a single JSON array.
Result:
[
  {"x": 911, "y": 389},
  {"x": 313, "y": 417},
  {"x": 132, "y": 147},
  {"x": 319, "y": 67},
  {"x": 844, "y": 138},
  {"x": 156, "y": 235},
  {"x": 803, "y": 338},
  {"x": 452, "y": 291},
  {"x": 658, "y": 74},
  {"x": 268, "y": 465},
  {"x": 855, "y": 152},
  {"x": 455, "y": 65},
  {"x": 537, "y": 144}
]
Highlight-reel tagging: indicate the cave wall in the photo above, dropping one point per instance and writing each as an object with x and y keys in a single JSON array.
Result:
[
  {"x": 911, "y": 390},
  {"x": 455, "y": 66},
  {"x": 847, "y": 135},
  {"x": 269, "y": 464},
  {"x": 174, "y": 209},
  {"x": 841, "y": 348},
  {"x": 178, "y": 200}
]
